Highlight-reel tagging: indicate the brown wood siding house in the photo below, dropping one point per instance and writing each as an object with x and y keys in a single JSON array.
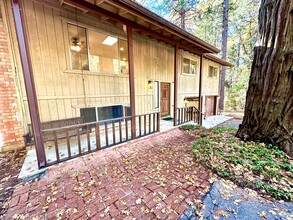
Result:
[{"x": 103, "y": 59}]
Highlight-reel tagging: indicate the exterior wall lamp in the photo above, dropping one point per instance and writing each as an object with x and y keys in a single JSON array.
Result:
[{"x": 150, "y": 84}]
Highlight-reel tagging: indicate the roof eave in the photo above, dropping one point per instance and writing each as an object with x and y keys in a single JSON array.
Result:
[
  {"x": 218, "y": 60},
  {"x": 161, "y": 21},
  {"x": 184, "y": 40}
]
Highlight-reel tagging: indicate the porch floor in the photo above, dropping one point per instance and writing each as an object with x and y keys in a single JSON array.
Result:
[
  {"x": 148, "y": 178},
  {"x": 30, "y": 169}
]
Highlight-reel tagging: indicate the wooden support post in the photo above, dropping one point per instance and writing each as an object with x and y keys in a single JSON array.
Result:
[
  {"x": 144, "y": 124},
  {"x": 56, "y": 146},
  {"x": 150, "y": 123},
  {"x": 154, "y": 122},
  {"x": 68, "y": 143},
  {"x": 139, "y": 125},
  {"x": 88, "y": 137},
  {"x": 175, "y": 83},
  {"x": 131, "y": 80},
  {"x": 29, "y": 81},
  {"x": 106, "y": 134},
  {"x": 126, "y": 130},
  {"x": 97, "y": 131},
  {"x": 200, "y": 91},
  {"x": 120, "y": 131},
  {"x": 158, "y": 121}
]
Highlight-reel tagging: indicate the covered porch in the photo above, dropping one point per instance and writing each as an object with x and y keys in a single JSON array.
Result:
[
  {"x": 93, "y": 136},
  {"x": 88, "y": 145}
]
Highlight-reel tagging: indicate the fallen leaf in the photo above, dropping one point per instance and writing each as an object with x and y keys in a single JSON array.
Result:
[
  {"x": 262, "y": 214},
  {"x": 138, "y": 201},
  {"x": 107, "y": 210},
  {"x": 221, "y": 213},
  {"x": 125, "y": 212},
  {"x": 237, "y": 201},
  {"x": 163, "y": 195}
]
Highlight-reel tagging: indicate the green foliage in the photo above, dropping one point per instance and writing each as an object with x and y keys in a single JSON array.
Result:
[
  {"x": 189, "y": 127},
  {"x": 203, "y": 18},
  {"x": 243, "y": 32},
  {"x": 221, "y": 129},
  {"x": 277, "y": 193},
  {"x": 249, "y": 164}
]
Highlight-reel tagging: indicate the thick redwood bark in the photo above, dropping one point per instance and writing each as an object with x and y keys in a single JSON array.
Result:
[
  {"x": 224, "y": 53},
  {"x": 269, "y": 103}
]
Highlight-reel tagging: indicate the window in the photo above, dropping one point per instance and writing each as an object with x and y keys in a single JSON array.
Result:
[
  {"x": 189, "y": 66},
  {"x": 156, "y": 94},
  {"x": 213, "y": 71},
  {"x": 110, "y": 112},
  {"x": 97, "y": 52},
  {"x": 78, "y": 47}
]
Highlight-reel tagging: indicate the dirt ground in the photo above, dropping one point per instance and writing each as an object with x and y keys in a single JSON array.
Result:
[{"x": 10, "y": 165}]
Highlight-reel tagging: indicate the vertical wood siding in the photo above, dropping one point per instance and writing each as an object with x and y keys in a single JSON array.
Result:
[
  {"x": 152, "y": 61},
  {"x": 62, "y": 92}
]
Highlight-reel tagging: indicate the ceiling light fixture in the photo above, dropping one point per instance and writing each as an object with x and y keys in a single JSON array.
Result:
[{"x": 75, "y": 45}]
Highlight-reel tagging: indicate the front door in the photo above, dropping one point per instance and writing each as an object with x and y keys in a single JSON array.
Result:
[
  {"x": 210, "y": 106},
  {"x": 165, "y": 99}
]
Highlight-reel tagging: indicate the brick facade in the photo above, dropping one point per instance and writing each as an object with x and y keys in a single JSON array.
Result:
[{"x": 11, "y": 130}]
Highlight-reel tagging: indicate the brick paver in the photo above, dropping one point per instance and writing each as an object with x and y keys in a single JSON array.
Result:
[{"x": 150, "y": 178}]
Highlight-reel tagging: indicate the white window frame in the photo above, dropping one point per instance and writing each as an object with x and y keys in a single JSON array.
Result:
[
  {"x": 156, "y": 101},
  {"x": 214, "y": 74},
  {"x": 190, "y": 60}
]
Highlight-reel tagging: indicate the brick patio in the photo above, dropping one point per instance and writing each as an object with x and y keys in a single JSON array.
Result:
[{"x": 151, "y": 178}]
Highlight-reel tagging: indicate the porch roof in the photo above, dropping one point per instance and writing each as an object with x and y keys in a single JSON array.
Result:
[{"x": 126, "y": 12}]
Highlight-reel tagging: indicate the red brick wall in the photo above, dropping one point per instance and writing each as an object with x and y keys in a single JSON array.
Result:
[{"x": 10, "y": 129}]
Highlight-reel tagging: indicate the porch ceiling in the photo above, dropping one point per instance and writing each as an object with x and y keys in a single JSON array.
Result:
[{"x": 143, "y": 21}]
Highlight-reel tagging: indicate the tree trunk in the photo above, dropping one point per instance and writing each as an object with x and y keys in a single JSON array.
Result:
[
  {"x": 268, "y": 113},
  {"x": 224, "y": 53},
  {"x": 182, "y": 18}
]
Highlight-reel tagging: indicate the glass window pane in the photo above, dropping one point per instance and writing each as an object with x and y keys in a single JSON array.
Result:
[
  {"x": 123, "y": 50},
  {"x": 185, "y": 66},
  {"x": 78, "y": 47},
  {"x": 215, "y": 71},
  {"x": 193, "y": 67},
  {"x": 156, "y": 94},
  {"x": 211, "y": 70},
  {"x": 103, "y": 52}
]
